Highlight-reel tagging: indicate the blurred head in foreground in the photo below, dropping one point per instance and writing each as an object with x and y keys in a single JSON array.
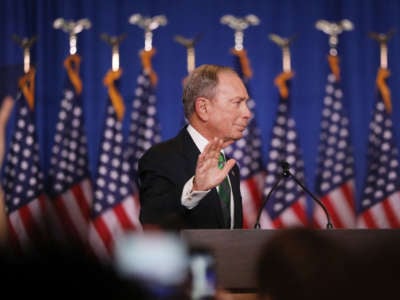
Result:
[{"x": 300, "y": 263}]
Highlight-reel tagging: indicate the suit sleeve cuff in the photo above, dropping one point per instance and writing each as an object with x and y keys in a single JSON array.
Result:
[{"x": 190, "y": 199}]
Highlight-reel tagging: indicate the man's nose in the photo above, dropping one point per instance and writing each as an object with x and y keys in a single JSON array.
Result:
[{"x": 247, "y": 114}]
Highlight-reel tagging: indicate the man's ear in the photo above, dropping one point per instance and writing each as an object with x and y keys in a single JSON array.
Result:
[{"x": 202, "y": 106}]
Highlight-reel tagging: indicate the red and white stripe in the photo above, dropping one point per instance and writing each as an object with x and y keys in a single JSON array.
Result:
[
  {"x": 340, "y": 206},
  {"x": 27, "y": 224},
  {"x": 111, "y": 224},
  {"x": 294, "y": 215},
  {"x": 251, "y": 190},
  {"x": 72, "y": 209},
  {"x": 385, "y": 214}
]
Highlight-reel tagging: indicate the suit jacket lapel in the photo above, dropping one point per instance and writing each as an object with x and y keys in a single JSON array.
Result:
[{"x": 189, "y": 151}]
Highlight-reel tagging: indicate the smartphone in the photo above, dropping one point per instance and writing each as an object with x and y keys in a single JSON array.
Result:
[{"x": 203, "y": 273}]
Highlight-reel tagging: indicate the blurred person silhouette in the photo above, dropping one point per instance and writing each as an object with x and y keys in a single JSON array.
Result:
[
  {"x": 378, "y": 274},
  {"x": 53, "y": 270},
  {"x": 303, "y": 264}
]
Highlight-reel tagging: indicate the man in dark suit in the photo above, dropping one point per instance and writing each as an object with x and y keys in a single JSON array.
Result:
[{"x": 184, "y": 181}]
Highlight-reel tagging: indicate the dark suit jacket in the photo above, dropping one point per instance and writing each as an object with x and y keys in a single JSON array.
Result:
[{"x": 163, "y": 171}]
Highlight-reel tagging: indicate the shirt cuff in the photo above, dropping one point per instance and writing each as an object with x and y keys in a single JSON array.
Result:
[{"x": 189, "y": 198}]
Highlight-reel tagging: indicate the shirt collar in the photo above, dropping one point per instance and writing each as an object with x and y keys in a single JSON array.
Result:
[{"x": 200, "y": 141}]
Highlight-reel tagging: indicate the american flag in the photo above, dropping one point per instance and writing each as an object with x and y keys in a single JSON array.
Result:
[
  {"x": 70, "y": 184},
  {"x": 114, "y": 208},
  {"x": 247, "y": 152},
  {"x": 335, "y": 173},
  {"x": 23, "y": 178},
  {"x": 287, "y": 205},
  {"x": 144, "y": 130},
  {"x": 380, "y": 202}
]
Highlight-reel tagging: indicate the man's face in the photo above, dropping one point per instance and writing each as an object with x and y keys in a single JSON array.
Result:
[{"x": 229, "y": 114}]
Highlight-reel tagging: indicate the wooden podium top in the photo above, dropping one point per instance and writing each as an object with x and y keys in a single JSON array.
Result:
[{"x": 237, "y": 250}]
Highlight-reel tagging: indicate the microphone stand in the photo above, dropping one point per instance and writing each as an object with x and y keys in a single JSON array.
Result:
[
  {"x": 285, "y": 167},
  {"x": 282, "y": 175},
  {"x": 285, "y": 174}
]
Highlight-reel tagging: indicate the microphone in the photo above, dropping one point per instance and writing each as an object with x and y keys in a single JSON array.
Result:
[
  {"x": 285, "y": 167},
  {"x": 285, "y": 174}
]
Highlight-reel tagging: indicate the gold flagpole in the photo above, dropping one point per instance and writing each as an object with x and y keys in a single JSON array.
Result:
[
  {"x": 333, "y": 30},
  {"x": 148, "y": 24},
  {"x": 189, "y": 44},
  {"x": 72, "y": 28},
  {"x": 72, "y": 62},
  {"x": 284, "y": 44},
  {"x": 383, "y": 72},
  {"x": 25, "y": 44},
  {"x": 239, "y": 25},
  {"x": 114, "y": 74},
  {"x": 383, "y": 40},
  {"x": 281, "y": 80}
]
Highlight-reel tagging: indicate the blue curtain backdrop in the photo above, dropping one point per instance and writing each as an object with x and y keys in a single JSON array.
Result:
[{"x": 359, "y": 60}]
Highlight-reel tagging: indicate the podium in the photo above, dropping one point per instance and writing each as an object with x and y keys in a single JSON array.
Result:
[{"x": 237, "y": 250}]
